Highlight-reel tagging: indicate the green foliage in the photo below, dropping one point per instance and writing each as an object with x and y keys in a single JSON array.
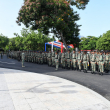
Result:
[
  {"x": 30, "y": 40},
  {"x": 53, "y": 14},
  {"x": 88, "y": 43},
  {"x": 103, "y": 42},
  {"x": 3, "y": 41}
]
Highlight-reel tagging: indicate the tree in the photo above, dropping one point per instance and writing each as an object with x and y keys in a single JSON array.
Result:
[
  {"x": 103, "y": 42},
  {"x": 30, "y": 40},
  {"x": 11, "y": 44},
  {"x": 56, "y": 15},
  {"x": 35, "y": 40},
  {"x": 3, "y": 41},
  {"x": 88, "y": 43}
]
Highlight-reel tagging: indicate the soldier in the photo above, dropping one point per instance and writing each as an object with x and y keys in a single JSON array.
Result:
[
  {"x": 23, "y": 58},
  {"x": 53, "y": 58},
  {"x": 49, "y": 58},
  {"x": 59, "y": 54},
  {"x": 93, "y": 62},
  {"x": 85, "y": 61},
  {"x": 90, "y": 60},
  {"x": 56, "y": 60},
  {"x": 73, "y": 60},
  {"x": 41, "y": 58},
  {"x": 101, "y": 64},
  {"x": 44, "y": 57},
  {"x": 38, "y": 57},
  {"x": 107, "y": 62},
  {"x": 63, "y": 55},
  {"x": 33, "y": 56},
  {"x": 97, "y": 61},
  {"x": 79, "y": 60},
  {"x": 68, "y": 59}
]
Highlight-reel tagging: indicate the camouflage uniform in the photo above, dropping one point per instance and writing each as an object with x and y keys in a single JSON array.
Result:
[
  {"x": 79, "y": 60},
  {"x": 49, "y": 58},
  {"x": 93, "y": 63},
  {"x": 101, "y": 63},
  {"x": 107, "y": 62},
  {"x": 68, "y": 57},
  {"x": 45, "y": 59},
  {"x": 56, "y": 60},
  {"x": 73, "y": 60},
  {"x": 85, "y": 62},
  {"x": 63, "y": 55},
  {"x": 53, "y": 58},
  {"x": 23, "y": 58}
]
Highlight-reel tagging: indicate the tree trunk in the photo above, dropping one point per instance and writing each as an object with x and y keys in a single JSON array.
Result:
[{"x": 62, "y": 38}]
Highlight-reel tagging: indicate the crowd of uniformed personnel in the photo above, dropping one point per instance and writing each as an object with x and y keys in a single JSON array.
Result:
[{"x": 95, "y": 61}]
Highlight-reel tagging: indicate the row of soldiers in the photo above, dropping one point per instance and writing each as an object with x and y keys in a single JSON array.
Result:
[{"x": 93, "y": 61}]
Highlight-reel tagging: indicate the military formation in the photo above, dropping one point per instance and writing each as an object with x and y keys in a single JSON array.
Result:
[{"x": 95, "y": 61}]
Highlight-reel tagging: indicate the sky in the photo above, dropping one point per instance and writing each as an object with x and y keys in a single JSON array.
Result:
[{"x": 95, "y": 19}]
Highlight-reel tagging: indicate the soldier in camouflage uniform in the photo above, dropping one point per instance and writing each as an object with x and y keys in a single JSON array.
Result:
[
  {"x": 107, "y": 62},
  {"x": 68, "y": 57},
  {"x": 23, "y": 58},
  {"x": 49, "y": 58},
  {"x": 79, "y": 60},
  {"x": 85, "y": 61},
  {"x": 28, "y": 56},
  {"x": 97, "y": 61},
  {"x": 34, "y": 56},
  {"x": 56, "y": 60},
  {"x": 59, "y": 54},
  {"x": 73, "y": 60},
  {"x": 53, "y": 58},
  {"x": 63, "y": 55},
  {"x": 45, "y": 59},
  {"x": 93, "y": 62},
  {"x": 42, "y": 57},
  {"x": 38, "y": 57},
  {"x": 101, "y": 64}
]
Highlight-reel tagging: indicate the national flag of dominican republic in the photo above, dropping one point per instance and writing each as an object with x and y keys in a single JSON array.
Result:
[{"x": 57, "y": 44}]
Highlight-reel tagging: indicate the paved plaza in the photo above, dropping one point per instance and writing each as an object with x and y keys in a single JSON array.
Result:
[{"x": 21, "y": 90}]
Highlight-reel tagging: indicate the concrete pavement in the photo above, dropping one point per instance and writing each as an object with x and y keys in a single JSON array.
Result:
[
  {"x": 99, "y": 84},
  {"x": 21, "y": 90}
]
